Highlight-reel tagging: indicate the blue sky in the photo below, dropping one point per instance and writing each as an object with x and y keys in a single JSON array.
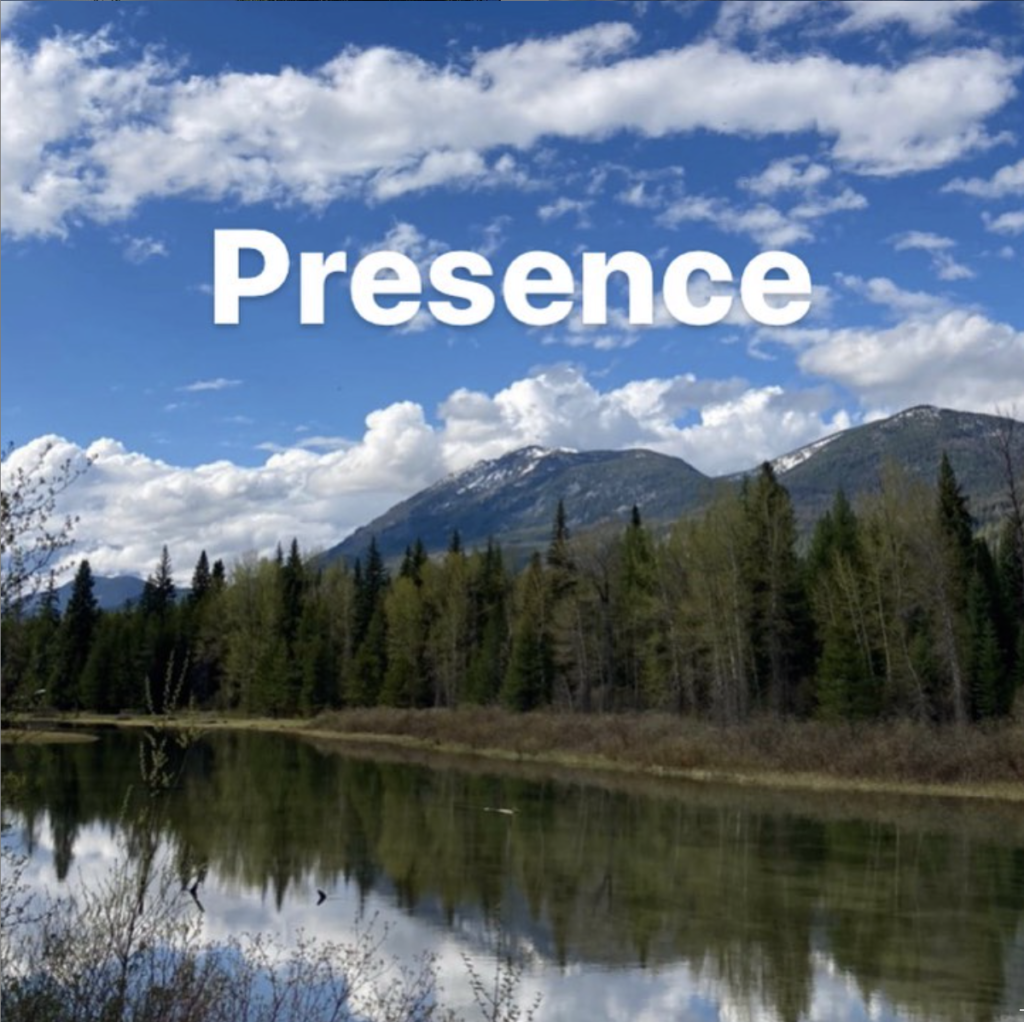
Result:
[{"x": 880, "y": 141}]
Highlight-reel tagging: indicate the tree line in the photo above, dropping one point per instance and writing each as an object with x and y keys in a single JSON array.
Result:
[{"x": 893, "y": 609}]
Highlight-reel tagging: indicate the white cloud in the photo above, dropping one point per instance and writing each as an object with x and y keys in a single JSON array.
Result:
[
  {"x": 1006, "y": 223},
  {"x": 956, "y": 359},
  {"x": 564, "y": 206},
  {"x": 437, "y": 168},
  {"x": 767, "y": 225},
  {"x": 795, "y": 173},
  {"x": 220, "y": 383},
  {"x": 882, "y": 291},
  {"x": 410, "y": 241},
  {"x": 88, "y": 132},
  {"x": 321, "y": 488},
  {"x": 1005, "y": 182},
  {"x": 922, "y": 17},
  {"x": 926, "y": 241},
  {"x": 9, "y": 10},
  {"x": 139, "y": 250},
  {"x": 939, "y": 248}
]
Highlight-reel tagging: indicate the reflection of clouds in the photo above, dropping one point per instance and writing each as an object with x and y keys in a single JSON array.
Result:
[{"x": 676, "y": 993}]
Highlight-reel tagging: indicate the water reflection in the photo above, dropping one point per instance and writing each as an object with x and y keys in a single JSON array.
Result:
[{"x": 670, "y": 903}]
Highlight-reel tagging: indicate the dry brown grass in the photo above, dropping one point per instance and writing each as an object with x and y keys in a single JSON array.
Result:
[{"x": 900, "y": 754}]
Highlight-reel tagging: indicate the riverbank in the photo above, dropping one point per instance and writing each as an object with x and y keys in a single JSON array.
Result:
[{"x": 897, "y": 758}]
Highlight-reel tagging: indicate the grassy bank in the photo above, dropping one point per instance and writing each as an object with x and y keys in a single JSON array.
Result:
[{"x": 899, "y": 757}]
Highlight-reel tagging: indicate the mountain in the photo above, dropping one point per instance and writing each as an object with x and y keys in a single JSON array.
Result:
[
  {"x": 513, "y": 498},
  {"x": 111, "y": 593},
  {"x": 914, "y": 439}
]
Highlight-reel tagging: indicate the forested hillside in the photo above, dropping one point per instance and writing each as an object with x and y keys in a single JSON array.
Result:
[{"x": 896, "y": 609}]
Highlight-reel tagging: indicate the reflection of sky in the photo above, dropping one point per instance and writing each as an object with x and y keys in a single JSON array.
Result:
[{"x": 678, "y": 993}]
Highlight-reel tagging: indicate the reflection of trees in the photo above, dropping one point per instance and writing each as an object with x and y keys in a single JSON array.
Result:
[{"x": 923, "y": 914}]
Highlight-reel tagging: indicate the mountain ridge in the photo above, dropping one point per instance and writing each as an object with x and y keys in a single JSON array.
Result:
[{"x": 512, "y": 498}]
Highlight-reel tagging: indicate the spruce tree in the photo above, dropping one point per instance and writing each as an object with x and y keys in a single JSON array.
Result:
[
  {"x": 159, "y": 592},
  {"x": 202, "y": 580},
  {"x": 780, "y": 622},
  {"x": 77, "y": 631}
]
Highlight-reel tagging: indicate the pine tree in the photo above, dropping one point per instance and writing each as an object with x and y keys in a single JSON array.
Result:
[
  {"x": 846, "y": 686},
  {"x": 780, "y": 624},
  {"x": 77, "y": 631},
  {"x": 202, "y": 580},
  {"x": 218, "y": 576},
  {"x": 559, "y": 551},
  {"x": 991, "y": 637},
  {"x": 159, "y": 592},
  {"x": 635, "y": 614},
  {"x": 369, "y": 662},
  {"x": 488, "y": 658},
  {"x": 413, "y": 562}
]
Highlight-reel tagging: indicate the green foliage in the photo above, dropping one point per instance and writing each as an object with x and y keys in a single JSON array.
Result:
[{"x": 894, "y": 609}]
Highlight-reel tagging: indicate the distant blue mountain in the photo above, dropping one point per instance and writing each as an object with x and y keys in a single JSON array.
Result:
[{"x": 111, "y": 593}]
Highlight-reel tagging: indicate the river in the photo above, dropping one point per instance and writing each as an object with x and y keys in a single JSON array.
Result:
[{"x": 627, "y": 899}]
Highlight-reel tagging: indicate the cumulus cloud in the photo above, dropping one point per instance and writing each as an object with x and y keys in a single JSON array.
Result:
[
  {"x": 1005, "y": 182},
  {"x": 955, "y": 358},
  {"x": 321, "y": 488},
  {"x": 89, "y": 131},
  {"x": 939, "y": 248}
]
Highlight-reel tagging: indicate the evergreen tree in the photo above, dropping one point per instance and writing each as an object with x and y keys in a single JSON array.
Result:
[
  {"x": 218, "y": 576},
  {"x": 77, "y": 630},
  {"x": 635, "y": 614},
  {"x": 159, "y": 592},
  {"x": 369, "y": 663},
  {"x": 846, "y": 685},
  {"x": 559, "y": 551},
  {"x": 780, "y": 624},
  {"x": 413, "y": 562},
  {"x": 989, "y": 658},
  {"x": 488, "y": 657},
  {"x": 202, "y": 580}
]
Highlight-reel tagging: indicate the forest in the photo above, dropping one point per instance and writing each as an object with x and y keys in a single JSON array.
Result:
[{"x": 895, "y": 609}]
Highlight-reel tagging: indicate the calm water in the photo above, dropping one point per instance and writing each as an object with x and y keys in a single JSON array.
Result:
[{"x": 634, "y": 902}]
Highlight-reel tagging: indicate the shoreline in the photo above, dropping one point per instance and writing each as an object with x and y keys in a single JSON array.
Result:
[{"x": 499, "y": 737}]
